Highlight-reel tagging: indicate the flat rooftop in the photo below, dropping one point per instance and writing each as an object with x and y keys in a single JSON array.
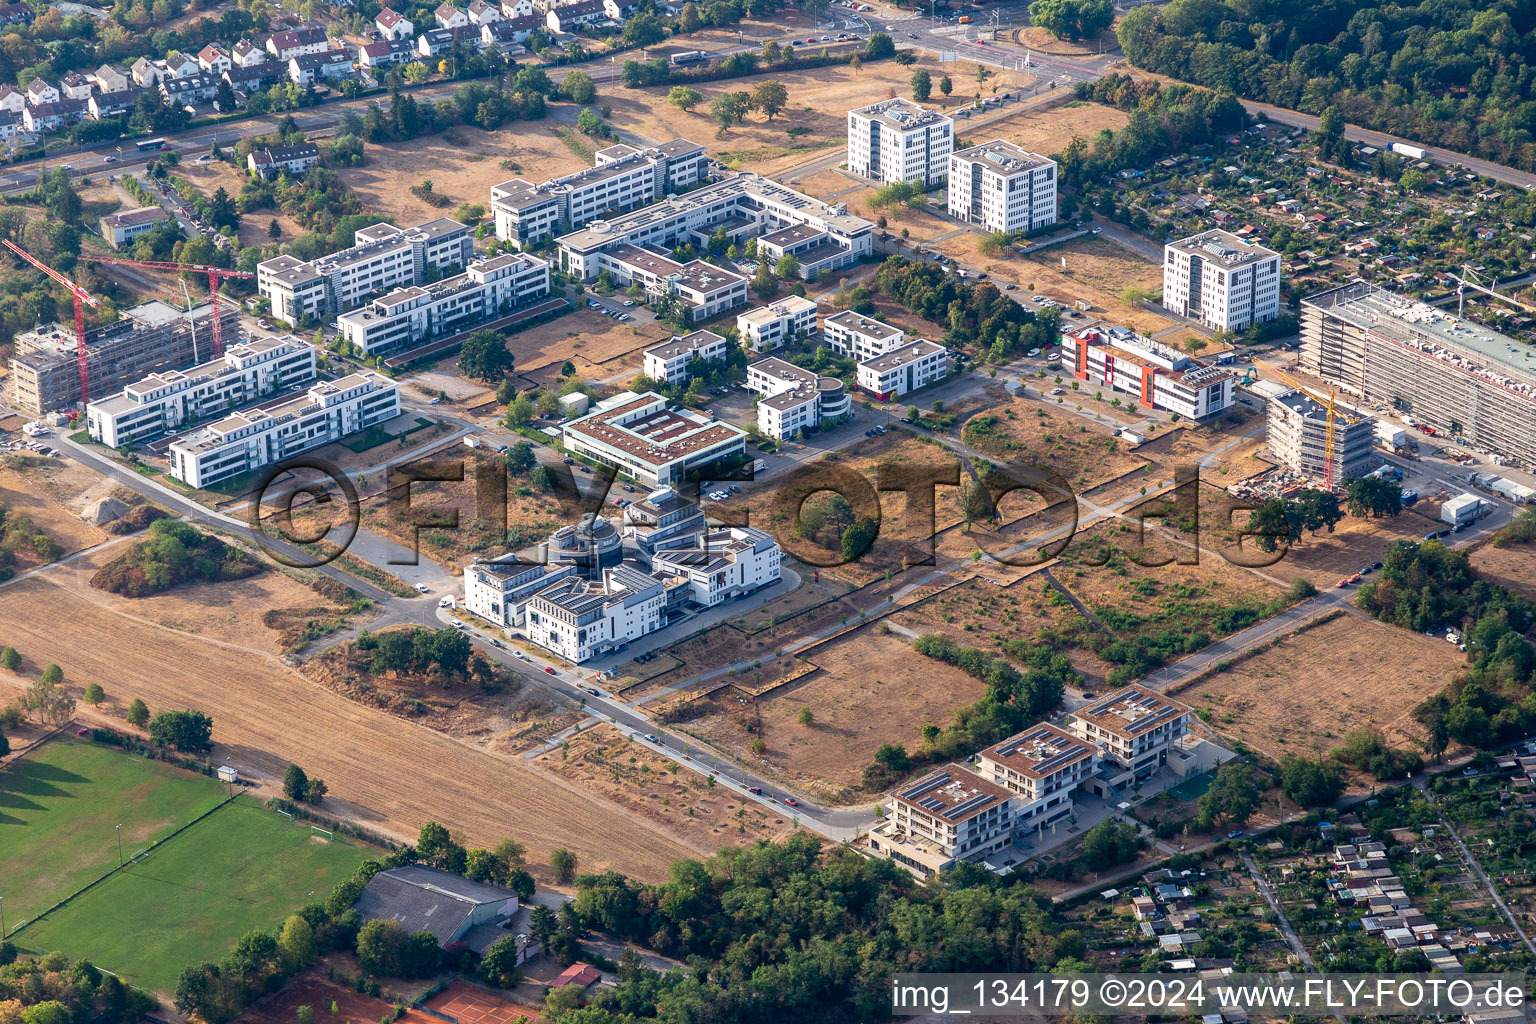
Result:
[
  {"x": 851, "y": 321},
  {"x": 953, "y": 793},
  {"x": 1132, "y": 711},
  {"x": 658, "y": 437},
  {"x": 1223, "y": 247},
  {"x": 1004, "y": 157},
  {"x": 907, "y": 353},
  {"x": 1040, "y": 751},
  {"x": 685, "y": 345},
  {"x": 901, "y": 113}
]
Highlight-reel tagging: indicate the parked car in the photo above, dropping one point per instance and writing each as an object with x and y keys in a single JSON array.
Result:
[
  {"x": 421, "y": 588},
  {"x": 1234, "y": 833},
  {"x": 792, "y": 801},
  {"x": 548, "y": 669},
  {"x": 755, "y": 789}
]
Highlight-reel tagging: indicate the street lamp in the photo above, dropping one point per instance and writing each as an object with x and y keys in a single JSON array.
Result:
[{"x": 119, "y": 847}]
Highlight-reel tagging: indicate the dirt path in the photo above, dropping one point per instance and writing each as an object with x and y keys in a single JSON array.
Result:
[{"x": 388, "y": 774}]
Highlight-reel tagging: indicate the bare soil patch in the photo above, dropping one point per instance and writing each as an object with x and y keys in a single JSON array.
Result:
[
  {"x": 1325, "y": 558},
  {"x": 255, "y": 226},
  {"x": 599, "y": 346},
  {"x": 1511, "y": 565},
  {"x": 1031, "y": 431},
  {"x": 315, "y": 989},
  {"x": 39, "y": 490},
  {"x": 1301, "y": 695}
]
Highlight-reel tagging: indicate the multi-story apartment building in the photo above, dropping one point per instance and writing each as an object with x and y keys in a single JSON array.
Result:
[
  {"x": 173, "y": 399},
  {"x": 741, "y": 206},
  {"x": 948, "y": 816},
  {"x": 794, "y": 399},
  {"x": 915, "y": 364},
  {"x": 499, "y": 591},
  {"x": 581, "y": 619},
  {"x": 270, "y": 161},
  {"x": 897, "y": 140},
  {"x": 1159, "y": 376},
  {"x": 1002, "y": 187},
  {"x": 1221, "y": 280},
  {"x": 662, "y": 519},
  {"x": 669, "y": 361},
  {"x": 1298, "y": 437},
  {"x": 1132, "y": 731},
  {"x": 721, "y": 565},
  {"x": 247, "y": 441},
  {"x": 297, "y": 42},
  {"x": 645, "y": 440},
  {"x": 858, "y": 337},
  {"x": 706, "y": 289},
  {"x": 813, "y": 249},
  {"x": 1459, "y": 377},
  {"x": 408, "y": 316},
  {"x": 1042, "y": 766},
  {"x": 767, "y": 327},
  {"x": 383, "y": 257},
  {"x": 623, "y": 178}
]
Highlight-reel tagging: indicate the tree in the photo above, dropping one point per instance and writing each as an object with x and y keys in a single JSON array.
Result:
[
  {"x": 684, "y": 97},
  {"x": 787, "y": 268},
  {"x": 296, "y": 943},
  {"x": 578, "y": 85},
  {"x": 893, "y": 756},
  {"x": 381, "y": 946},
  {"x": 561, "y": 1001},
  {"x": 922, "y": 86},
  {"x": 562, "y": 863},
  {"x": 858, "y": 537},
  {"x": 1072, "y": 19},
  {"x": 946, "y": 87},
  {"x": 511, "y": 853},
  {"x": 1373, "y": 496},
  {"x": 304, "y": 1015},
  {"x": 94, "y": 694},
  {"x": 879, "y": 47},
  {"x": 50, "y": 1012},
  {"x": 138, "y": 713},
  {"x": 49, "y": 700},
  {"x": 295, "y": 782},
  {"x": 567, "y": 369},
  {"x": 729, "y": 108},
  {"x": 10, "y": 659},
  {"x": 1110, "y": 842},
  {"x": 689, "y": 21},
  {"x": 1311, "y": 783},
  {"x": 485, "y": 356},
  {"x": 1233, "y": 796},
  {"x": 187, "y": 731},
  {"x": 520, "y": 458},
  {"x": 499, "y": 964},
  {"x": 315, "y": 792},
  {"x": 770, "y": 97},
  {"x": 52, "y": 674}
]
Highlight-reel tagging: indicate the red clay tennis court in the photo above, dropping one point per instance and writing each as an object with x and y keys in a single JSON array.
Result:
[{"x": 468, "y": 1004}]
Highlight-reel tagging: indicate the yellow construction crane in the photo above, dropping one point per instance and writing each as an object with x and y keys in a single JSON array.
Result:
[{"x": 1327, "y": 403}]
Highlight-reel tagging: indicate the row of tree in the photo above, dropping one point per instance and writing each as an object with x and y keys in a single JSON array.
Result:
[{"x": 972, "y": 314}]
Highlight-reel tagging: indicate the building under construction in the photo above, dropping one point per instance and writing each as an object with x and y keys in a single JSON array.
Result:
[
  {"x": 146, "y": 339},
  {"x": 1451, "y": 374},
  {"x": 1298, "y": 437}
]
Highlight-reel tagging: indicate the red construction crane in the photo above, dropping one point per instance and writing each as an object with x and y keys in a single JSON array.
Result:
[
  {"x": 215, "y": 275},
  {"x": 82, "y": 298}
]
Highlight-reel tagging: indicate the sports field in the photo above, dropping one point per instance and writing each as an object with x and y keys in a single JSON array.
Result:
[
  {"x": 190, "y": 899},
  {"x": 59, "y": 810}
]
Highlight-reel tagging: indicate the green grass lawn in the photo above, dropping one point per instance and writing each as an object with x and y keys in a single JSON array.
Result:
[
  {"x": 59, "y": 809},
  {"x": 241, "y": 868}
]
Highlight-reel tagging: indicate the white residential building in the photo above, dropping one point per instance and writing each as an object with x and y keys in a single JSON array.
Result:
[
  {"x": 1132, "y": 729},
  {"x": 450, "y": 17},
  {"x": 721, "y": 565},
  {"x": 948, "y": 816},
  {"x": 247, "y": 441},
  {"x": 1042, "y": 766},
  {"x": 246, "y": 54},
  {"x": 1002, "y": 187},
  {"x": 384, "y": 257},
  {"x": 707, "y": 289},
  {"x": 794, "y": 399},
  {"x": 580, "y": 619},
  {"x": 1158, "y": 376},
  {"x": 173, "y": 399},
  {"x": 767, "y": 327},
  {"x": 1221, "y": 280},
  {"x": 297, "y": 42},
  {"x": 415, "y": 313},
  {"x": 914, "y": 365},
  {"x": 649, "y": 442},
  {"x": 118, "y": 229},
  {"x": 1298, "y": 437},
  {"x": 741, "y": 206},
  {"x": 214, "y": 59},
  {"x": 394, "y": 26},
  {"x": 814, "y": 249},
  {"x": 898, "y": 140},
  {"x": 306, "y": 68},
  {"x": 499, "y": 591},
  {"x": 858, "y": 337},
  {"x": 669, "y": 361},
  {"x": 623, "y": 178},
  {"x": 295, "y": 160}
]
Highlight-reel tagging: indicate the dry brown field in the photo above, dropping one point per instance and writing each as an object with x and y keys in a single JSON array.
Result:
[
  {"x": 1041, "y": 41},
  {"x": 601, "y": 347},
  {"x": 983, "y": 613},
  {"x": 869, "y": 689},
  {"x": 1304, "y": 693},
  {"x": 254, "y": 225},
  {"x": 1031, "y": 431},
  {"x": 1511, "y": 565},
  {"x": 385, "y": 773},
  {"x": 46, "y": 491},
  {"x": 1325, "y": 558},
  {"x": 462, "y": 170},
  {"x": 604, "y": 761}
]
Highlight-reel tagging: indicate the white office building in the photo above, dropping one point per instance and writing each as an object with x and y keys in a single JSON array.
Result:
[
  {"x": 1002, "y": 187},
  {"x": 411, "y": 315},
  {"x": 669, "y": 361},
  {"x": 706, "y": 289},
  {"x": 722, "y": 565},
  {"x": 247, "y": 441},
  {"x": 1042, "y": 766},
  {"x": 1159, "y": 377},
  {"x": 1132, "y": 730},
  {"x": 499, "y": 591},
  {"x": 795, "y": 399},
  {"x": 915, "y": 364},
  {"x": 1221, "y": 280},
  {"x": 741, "y": 206},
  {"x": 898, "y": 140},
  {"x": 623, "y": 178},
  {"x": 859, "y": 337},
  {"x": 767, "y": 327},
  {"x": 580, "y": 619},
  {"x": 383, "y": 257},
  {"x": 650, "y": 442},
  {"x": 173, "y": 399},
  {"x": 948, "y": 816}
]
